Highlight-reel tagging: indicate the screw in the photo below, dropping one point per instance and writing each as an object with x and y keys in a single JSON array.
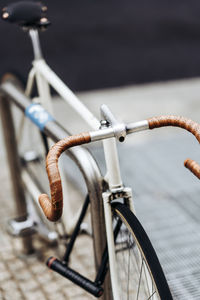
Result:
[
  {"x": 104, "y": 123},
  {"x": 121, "y": 139}
]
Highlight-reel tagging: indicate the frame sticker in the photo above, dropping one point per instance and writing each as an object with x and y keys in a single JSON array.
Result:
[{"x": 38, "y": 115}]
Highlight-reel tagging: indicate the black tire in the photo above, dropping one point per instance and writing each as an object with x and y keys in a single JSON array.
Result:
[{"x": 133, "y": 242}]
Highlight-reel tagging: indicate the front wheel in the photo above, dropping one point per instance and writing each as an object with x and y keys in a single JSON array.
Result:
[{"x": 140, "y": 275}]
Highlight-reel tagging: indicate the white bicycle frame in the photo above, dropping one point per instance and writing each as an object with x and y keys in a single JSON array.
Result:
[{"x": 45, "y": 77}]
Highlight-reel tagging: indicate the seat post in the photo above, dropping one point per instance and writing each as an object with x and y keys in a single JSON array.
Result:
[{"x": 33, "y": 33}]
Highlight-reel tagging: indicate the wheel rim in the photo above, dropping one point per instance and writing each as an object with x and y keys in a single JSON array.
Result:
[{"x": 135, "y": 279}]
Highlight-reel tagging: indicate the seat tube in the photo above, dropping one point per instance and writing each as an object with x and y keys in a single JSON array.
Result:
[
  {"x": 113, "y": 175},
  {"x": 44, "y": 92},
  {"x": 42, "y": 84}
]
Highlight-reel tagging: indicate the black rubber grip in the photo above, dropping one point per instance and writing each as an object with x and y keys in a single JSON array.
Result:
[{"x": 59, "y": 267}]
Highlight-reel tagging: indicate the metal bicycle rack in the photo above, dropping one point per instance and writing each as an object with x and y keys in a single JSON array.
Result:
[{"x": 10, "y": 93}]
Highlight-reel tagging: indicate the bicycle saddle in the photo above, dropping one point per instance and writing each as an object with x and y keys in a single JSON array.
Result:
[{"x": 26, "y": 13}]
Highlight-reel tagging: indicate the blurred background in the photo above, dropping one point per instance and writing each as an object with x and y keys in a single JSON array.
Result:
[{"x": 96, "y": 44}]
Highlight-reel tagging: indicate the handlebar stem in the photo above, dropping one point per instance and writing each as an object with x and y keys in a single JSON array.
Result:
[
  {"x": 117, "y": 130},
  {"x": 118, "y": 127}
]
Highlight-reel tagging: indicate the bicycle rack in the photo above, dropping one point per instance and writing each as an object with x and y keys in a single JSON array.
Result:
[{"x": 11, "y": 93}]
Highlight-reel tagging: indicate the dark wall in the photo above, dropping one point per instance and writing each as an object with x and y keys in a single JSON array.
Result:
[{"x": 101, "y": 43}]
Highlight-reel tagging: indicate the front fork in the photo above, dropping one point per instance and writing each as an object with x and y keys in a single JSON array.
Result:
[{"x": 108, "y": 197}]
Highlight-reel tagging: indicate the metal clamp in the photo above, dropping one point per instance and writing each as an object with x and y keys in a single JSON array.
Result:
[{"x": 119, "y": 129}]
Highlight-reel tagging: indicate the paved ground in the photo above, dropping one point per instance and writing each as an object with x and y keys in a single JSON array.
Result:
[
  {"x": 24, "y": 277},
  {"x": 166, "y": 196}
]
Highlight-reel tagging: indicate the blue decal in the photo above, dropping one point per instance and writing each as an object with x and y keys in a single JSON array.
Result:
[{"x": 38, "y": 115}]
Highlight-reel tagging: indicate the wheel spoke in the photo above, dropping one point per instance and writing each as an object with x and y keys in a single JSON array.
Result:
[
  {"x": 140, "y": 279},
  {"x": 128, "y": 270},
  {"x": 151, "y": 295}
]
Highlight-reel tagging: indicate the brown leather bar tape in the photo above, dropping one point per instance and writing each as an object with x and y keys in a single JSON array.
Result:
[
  {"x": 53, "y": 208},
  {"x": 177, "y": 121},
  {"x": 184, "y": 123},
  {"x": 193, "y": 166}
]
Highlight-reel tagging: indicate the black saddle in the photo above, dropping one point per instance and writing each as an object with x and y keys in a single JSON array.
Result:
[{"x": 26, "y": 13}]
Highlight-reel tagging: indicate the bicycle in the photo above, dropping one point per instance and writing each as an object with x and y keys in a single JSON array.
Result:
[{"x": 123, "y": 230}]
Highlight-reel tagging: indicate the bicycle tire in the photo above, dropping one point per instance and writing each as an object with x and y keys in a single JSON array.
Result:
[{"x": 132, "y": 237}]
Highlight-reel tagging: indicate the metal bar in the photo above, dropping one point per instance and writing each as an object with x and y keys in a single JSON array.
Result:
[
  {"x": 137, "y": 126},
  {"x": 43, "y": 69},
  {"x": 30, "y": 82},
  {"x": 104, "y": 264},
  {"x": 104, "y": 133},
  {"x": 108, "y": 132},
  {"x": 111, "y": 245},
  {"x": 46, "y": 232},
  {"x": 112, "y": 163},
  {"x": 14, "y": 165},
  {"x": 76, "y": 230},
  {"x": 33, "y": 33},
  {"x": 87, "y": 166},
  {"x": 108, "y": 115}
]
